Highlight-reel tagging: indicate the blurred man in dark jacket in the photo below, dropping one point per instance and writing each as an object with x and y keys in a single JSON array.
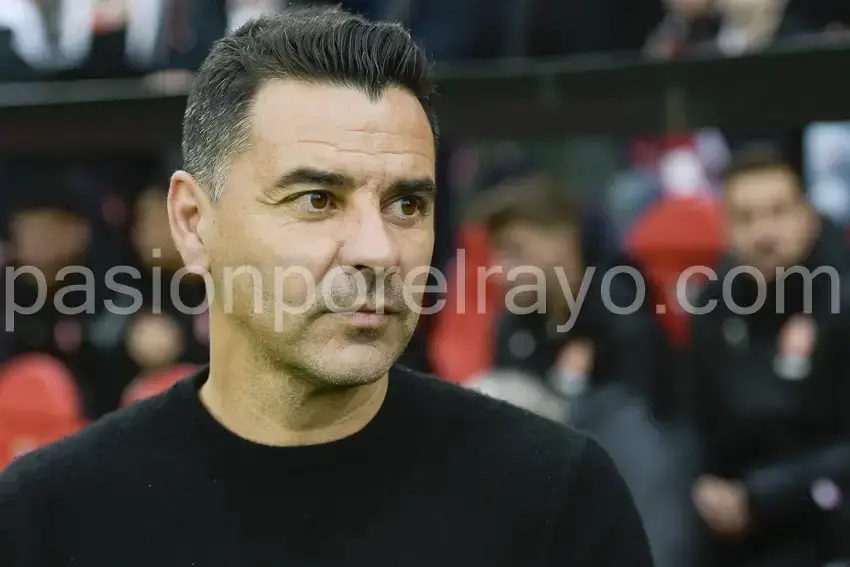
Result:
[
  {"x": 772, "y": 360},
  {"x": 570, "y": 325},
  {"x": 577, "y": 342}
]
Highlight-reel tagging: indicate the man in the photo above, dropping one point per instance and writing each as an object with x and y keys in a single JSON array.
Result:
[
  {"x": 561, "y": 328},
  {"x": 577, "y": 334},
  {"x": 771, "y": 388},
  {"x": 48, "y": 294},
  {"x": 309, "y": 155}
]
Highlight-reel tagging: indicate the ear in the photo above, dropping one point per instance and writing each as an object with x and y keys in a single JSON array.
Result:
[{"x": 189, "y": 215}]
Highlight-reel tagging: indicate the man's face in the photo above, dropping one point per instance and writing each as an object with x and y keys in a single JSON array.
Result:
[
  {"x": 770, "y": 223},
  {"x": 333, "y": 208},
  {"x": 531, "y": 256}
]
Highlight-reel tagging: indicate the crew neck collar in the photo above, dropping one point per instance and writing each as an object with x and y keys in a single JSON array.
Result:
[{"x": 230, "y": 450}]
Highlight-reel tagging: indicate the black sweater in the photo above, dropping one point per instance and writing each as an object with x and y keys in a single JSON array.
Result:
[{"x": 441, "y": 477}]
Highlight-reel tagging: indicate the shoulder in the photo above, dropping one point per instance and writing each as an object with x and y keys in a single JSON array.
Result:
[
  {"x": 96, "y": 453},
  {"x": 560, "y": 480},
  {"x": 497, "y": 432},
  {"x": 595, "y": 506}
]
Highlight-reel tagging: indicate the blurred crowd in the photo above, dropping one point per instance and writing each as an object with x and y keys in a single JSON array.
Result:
[
  {"x": 112, "y": 38},
  {"x": 730, "y": 427}
]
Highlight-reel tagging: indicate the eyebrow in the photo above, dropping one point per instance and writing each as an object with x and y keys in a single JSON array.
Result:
[
  {"x": 312, "y": 176},
  {"x": 417, "y": 186},
  {"x": 336, "y": 180}
]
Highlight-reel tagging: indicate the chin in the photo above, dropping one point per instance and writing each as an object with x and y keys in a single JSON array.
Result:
[{"x": 355, "y": 365}]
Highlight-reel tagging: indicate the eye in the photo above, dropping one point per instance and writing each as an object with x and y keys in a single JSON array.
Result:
[
  {"x": 317, "y": 201},
  {"x": 406, "y": 207},
  {"x": 312, "y": 204}
]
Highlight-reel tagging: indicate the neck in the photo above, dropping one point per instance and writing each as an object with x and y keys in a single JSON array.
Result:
[{"x": 274, "y": 406}]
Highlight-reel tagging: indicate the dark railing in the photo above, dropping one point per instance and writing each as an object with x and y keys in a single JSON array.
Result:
[{"x": 802, "y": 82}]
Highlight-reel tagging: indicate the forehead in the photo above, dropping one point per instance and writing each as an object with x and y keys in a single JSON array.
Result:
[
  {"x": 762, "y": 188},
  {"x": 521, "y": 231},
  {"x": 340, "y": 129}
]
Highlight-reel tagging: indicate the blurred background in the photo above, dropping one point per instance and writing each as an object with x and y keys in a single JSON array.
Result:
[{"x": 631, "y": 108}]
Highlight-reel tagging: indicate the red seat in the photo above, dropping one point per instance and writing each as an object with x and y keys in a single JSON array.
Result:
[
  {"x": 155, "y": 383},
  {"x": 39, "y": 404},
  {"x": 677, "y": 233}
]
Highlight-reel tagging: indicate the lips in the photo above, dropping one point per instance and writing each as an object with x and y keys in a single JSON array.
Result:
[
  {"x": 342, "y": 308},
  {"x": 367, "y": 310},
  {"x": 367, "y": 319}
]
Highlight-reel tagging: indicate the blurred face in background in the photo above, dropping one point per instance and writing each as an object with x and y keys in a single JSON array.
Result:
[
  {"x": 771, "y": 224},
  {"x": 48, "y": 239},
  {"x": 522, "y": 248},
  {"x": 151, "y": 233}
]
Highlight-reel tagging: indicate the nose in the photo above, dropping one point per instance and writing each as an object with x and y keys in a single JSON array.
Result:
[
  {"x": 369, "y": 242},
  {"x": 764, "y": 234}
]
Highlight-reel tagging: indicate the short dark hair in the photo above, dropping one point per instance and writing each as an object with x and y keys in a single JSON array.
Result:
[
  {"x": 758, "y": 159},
  {"x": 320, "y": 45},
  {"x": 537, "y": 198}
]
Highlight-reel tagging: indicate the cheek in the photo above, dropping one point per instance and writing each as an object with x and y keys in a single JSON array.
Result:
[
  {"x": 798, "y": 229},
  {"x": 415, "y": 253},
  {"x": 263, "y": 257},
  {"x": 266, "y": 242},
  {"x": 416, "y": 248},
  {"x": 738, "y": 237},
  {"x": 794, "y": 245}
]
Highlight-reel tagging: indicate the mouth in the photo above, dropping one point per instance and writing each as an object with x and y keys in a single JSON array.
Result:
[
  {"x": 367, "y": 319},
  {"x": 368, "y": 310},
  {"x": 368, "y": 316}
]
